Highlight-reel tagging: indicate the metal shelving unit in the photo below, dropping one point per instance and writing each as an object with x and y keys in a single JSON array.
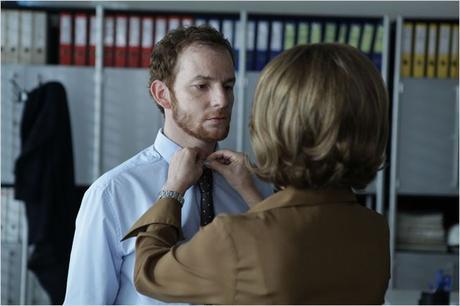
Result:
[
  {"x": 97, "y": 143},
  {"x": 425, "y": 115}
]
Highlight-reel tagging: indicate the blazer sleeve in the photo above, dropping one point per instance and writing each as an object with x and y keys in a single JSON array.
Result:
[{"x": 200, "y": 271}]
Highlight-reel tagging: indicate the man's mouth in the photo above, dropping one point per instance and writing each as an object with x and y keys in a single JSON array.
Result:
[{"x": 218, "y": 117}]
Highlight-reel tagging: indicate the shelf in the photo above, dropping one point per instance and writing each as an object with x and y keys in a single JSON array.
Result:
[
  {"x": 415, "y": 270},
  {"x": 337, "y": 8}
]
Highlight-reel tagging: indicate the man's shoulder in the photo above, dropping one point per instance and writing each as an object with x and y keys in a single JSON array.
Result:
[{"x": 136, "y": 165}]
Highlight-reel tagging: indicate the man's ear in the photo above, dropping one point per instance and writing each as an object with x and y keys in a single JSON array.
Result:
[{"x": 160, "y": 92}]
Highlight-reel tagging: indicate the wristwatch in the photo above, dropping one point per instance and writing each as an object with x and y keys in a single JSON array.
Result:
[{"x": 171, "y": 195}]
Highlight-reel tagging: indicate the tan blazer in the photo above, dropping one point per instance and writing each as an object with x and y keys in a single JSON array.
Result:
[{"x": 295, "y": 247}]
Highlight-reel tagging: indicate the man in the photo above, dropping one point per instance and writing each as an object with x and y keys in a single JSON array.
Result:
[{"x": 192, "y": 79}]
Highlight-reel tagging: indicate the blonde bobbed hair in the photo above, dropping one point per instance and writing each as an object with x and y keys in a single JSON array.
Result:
[{"x": 319, "y": 118}]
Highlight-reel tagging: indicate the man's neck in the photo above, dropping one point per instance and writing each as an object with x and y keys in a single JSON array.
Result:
[{"x": 185, "y": 140}]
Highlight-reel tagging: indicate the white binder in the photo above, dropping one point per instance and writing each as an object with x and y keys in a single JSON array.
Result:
[
  {"x": 39, "y": 36},
  {"x": 25, "y": 39},
  {"x": 12, "y": 37},
  {"x": 4, "y": 34}
]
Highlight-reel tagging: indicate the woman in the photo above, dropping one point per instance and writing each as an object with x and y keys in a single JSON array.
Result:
[{"x": 318, "y": 129}]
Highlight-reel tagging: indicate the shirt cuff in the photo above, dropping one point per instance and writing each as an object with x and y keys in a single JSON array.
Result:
[{"x": 164, "y": 211}]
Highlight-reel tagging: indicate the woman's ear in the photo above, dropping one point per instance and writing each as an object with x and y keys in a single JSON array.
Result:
[{"x": 160, "y": 92}]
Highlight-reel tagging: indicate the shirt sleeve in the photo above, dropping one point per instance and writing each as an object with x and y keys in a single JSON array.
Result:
[
  {"x": 200, "y": 271},
  {"x": 95, "y": 258}
]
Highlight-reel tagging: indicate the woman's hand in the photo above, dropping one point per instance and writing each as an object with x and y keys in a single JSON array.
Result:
[
  {"x": 232, "y": 167},
  {"x": 185, "y": 169}
]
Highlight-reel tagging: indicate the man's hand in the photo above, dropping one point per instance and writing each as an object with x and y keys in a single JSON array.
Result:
[
  {"x": 232, "y": 167},
  {"x": 185, "y": 169}
]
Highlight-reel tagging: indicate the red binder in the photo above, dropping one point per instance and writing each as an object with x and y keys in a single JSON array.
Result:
[
  {"x": 147, "y": 41},
  {"x": 92, "y": 41},
  {"x": 121, "y": 40},
  {"x": 109, "y": 50},
  {"x": 80, "y": 38},
  {"x": 134, "y": 45},
  {"x": 65, "y": 39}
]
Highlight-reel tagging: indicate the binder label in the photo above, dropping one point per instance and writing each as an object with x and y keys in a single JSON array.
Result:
[
  {"x": 134, "y": 28},
  {"x": 147, "y": 32},
  {"x": 366, "y": 42},
  {"x": 276, "y": 42},
  {"x": 108, "y": 31},
  {"x": 302, "y": 38},
  {"x": 160, "y": 29},
  {"x": 315, "y": 32},
  {"x": 227, "y": 29},
  {"x": 80, "y": 30},
  {"x": 289, "y": 35},
  {"x": 121, "y": 37}
]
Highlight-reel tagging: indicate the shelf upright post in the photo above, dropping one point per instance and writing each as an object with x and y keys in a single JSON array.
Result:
[
  {"x": 241, "y": 81},
  {"x": 24, "y": 255},
  {"x": 397, "y": 87},
  {"x": 454, "y": 182},
  {"x": 380, "y": 183},
  {"x": 98, "y": 99}
]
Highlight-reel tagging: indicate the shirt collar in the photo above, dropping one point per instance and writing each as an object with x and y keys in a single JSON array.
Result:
[
  {"x": 166, "y": 147},
  {"x": 297, "y": 197}
]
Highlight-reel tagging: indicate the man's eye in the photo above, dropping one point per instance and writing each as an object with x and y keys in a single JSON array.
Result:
[
  {"x": 201, "y": 86},
  {"x": 229, "y": 87}
]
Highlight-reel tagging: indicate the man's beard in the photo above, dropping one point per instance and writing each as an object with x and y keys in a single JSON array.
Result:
[{"x": 186, "y": 123}]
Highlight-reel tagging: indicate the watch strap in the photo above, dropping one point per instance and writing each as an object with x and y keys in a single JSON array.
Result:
[{"x": 171, "y": 195}]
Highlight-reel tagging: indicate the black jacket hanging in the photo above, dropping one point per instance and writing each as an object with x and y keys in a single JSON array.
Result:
[{"x": 44, "y": 180}]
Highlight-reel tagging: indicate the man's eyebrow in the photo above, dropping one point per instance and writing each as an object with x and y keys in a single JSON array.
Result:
[{"x": 208, "y": 78}]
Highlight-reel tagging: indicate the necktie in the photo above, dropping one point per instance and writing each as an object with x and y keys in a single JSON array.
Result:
[{"x": 207, "y": 206}]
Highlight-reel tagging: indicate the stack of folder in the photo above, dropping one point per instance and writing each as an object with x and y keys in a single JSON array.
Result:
[
  {"x": 267, "y": 36},
  {"x": 24, "y": 35},
  {"x": 419, "y": 230},
  {"x": 429, "y": 50},
  {"x": 128, "y": 38}
]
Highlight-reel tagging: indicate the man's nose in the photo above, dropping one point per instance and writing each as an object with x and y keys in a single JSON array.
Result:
[{"x": 221, "y": 97}]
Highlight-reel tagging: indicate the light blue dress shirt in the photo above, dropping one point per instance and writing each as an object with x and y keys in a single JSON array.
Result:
[{"x": 101, "y": 267}]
